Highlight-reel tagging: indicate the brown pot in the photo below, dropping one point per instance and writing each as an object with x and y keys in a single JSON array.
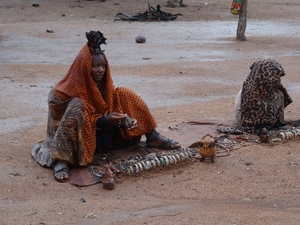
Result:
[
  {"x": 108, "y": 180},
  {"x": 208, "y": 148}
]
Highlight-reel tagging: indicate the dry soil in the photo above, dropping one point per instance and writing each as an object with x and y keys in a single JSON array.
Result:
[{"x": 189, "y": 69}]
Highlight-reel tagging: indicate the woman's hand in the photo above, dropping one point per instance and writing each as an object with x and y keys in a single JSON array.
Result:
[
  {"x": 133, "y": 124},
  {"x": 120, "y": 119},
  {"x": 115, "y": 118}
]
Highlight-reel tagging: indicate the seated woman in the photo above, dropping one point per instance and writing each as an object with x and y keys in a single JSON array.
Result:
[
  {"x": 87, "y": 113},
  {"x": 261, "y": 101}
]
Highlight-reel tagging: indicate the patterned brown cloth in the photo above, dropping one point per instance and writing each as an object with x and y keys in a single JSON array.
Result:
[{"x": 75, "y": 104}]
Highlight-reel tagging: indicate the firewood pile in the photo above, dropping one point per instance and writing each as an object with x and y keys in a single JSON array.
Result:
[{"x": 151, "y": 14}]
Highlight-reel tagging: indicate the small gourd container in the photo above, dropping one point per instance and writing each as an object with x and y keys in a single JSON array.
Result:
[{"x": 208, "y": 147}]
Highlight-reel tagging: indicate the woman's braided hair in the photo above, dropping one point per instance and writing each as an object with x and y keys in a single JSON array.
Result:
[{"x": 95, "y": 39}]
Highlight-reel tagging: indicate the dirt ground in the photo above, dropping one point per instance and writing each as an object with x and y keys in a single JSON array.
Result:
[{"x": 189, "y": 69}]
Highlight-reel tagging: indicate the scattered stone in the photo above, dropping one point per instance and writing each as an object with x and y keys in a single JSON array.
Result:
[
  {"x": 63, "y": 15},
  {"x": 49, "y": 31},
  {"x": 276, "y": 140},
  {"x": 12, "y": 175},
  {"x": 171, "y": 4},
  {"x": 274, "y": 206},
  {"x": 174, "y": 3},
  {"x": 36, "y": 5},
  {"x": 140, "y": 39},
  {"x": 293, "y": 163}
]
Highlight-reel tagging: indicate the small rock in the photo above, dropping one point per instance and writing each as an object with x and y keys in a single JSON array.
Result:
[
  {"x": 274, "y": 206},
  {"x": 276, "y": 140},
  {"x": 49, "y": 31},
  {"x": 140, "y": 39},
  {"x": 36, "y": 5}
]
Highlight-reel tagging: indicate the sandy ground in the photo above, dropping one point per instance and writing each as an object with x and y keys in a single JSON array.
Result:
[{"x": 189, "y": 69}]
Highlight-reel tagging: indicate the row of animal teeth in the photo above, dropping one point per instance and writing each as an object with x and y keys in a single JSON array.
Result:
[
  {"x": 157, "y": 161},
  {"x": 289, "y": 134}
]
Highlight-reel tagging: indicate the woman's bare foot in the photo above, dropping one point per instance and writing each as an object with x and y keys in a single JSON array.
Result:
[{"x": 61, "y": 172}]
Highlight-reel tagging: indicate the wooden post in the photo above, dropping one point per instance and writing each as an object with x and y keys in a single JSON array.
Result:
[{"x": 241, "y": 29}]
